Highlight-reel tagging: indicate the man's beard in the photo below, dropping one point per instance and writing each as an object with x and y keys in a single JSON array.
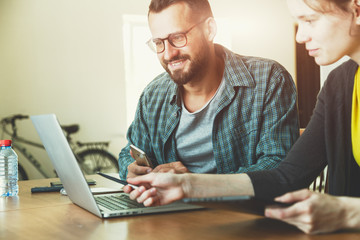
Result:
[{"x": 198, "y": 67}]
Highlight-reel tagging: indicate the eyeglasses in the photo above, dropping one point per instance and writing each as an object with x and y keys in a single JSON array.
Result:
[{"x": 177, "y": 40}]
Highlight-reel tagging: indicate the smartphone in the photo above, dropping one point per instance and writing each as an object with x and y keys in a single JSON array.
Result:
[
  {"x": 140, "y": 157},
  {"x": 59, "y": 184}
]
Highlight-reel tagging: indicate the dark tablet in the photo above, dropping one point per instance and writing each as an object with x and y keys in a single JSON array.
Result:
[{"x": 246, "y": 204}]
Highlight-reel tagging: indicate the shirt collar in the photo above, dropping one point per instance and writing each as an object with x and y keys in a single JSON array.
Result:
[{"x": 236, "y": 73}]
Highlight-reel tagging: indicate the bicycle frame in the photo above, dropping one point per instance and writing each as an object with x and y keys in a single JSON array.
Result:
[
  {"x": 19, "y": 148},
  {"x": 91, "y": 156}
]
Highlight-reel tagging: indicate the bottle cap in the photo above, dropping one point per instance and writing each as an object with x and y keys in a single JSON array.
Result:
[{"x": 5, "y": 143}]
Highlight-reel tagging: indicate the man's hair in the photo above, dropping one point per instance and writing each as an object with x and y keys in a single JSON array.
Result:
[{"x": 200, "y": 8}]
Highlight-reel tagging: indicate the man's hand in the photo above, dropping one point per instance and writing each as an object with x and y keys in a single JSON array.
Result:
[
  {"x": 136, "y": 170},
  {"x": 173, "y": 167}
]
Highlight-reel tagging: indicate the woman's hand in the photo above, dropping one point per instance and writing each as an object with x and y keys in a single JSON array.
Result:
[
  {"x": 164, "y": 188},
  {"x": 315, "y": 212},
  {"x": 157, "y": 188}
]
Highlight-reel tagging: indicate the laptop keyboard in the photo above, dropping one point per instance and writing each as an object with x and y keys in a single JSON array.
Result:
[{"x": 117, "y": 202}]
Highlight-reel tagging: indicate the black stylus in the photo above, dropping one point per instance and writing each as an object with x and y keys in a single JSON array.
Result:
[{"x": 117, "y": 180}]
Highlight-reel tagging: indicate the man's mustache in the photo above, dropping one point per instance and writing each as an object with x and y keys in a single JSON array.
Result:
[{"x": 177, "y": 58}]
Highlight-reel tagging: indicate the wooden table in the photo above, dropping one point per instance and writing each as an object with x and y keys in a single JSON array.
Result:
[{"x": 53, "y": 216}]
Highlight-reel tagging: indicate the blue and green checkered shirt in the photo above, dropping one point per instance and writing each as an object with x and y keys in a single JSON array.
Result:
[{"x": 256, "y": 122}]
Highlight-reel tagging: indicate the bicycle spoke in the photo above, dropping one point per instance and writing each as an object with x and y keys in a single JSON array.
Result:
[{"x": 95, "y": 160}]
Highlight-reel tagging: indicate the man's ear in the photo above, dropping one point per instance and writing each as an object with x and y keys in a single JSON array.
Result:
[{"x": 211, "y": 28}]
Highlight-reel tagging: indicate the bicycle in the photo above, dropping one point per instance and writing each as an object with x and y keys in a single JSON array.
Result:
[{"x": 91, "y": 156}]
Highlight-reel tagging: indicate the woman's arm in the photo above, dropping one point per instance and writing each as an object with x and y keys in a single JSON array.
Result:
[
  {"x": 317, "y": 213},
  {"x": 311, "y": 212},
  {"x": 164, "y": 188}
]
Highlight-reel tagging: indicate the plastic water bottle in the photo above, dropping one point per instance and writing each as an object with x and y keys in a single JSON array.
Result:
[{"x": 8, "y": 170}]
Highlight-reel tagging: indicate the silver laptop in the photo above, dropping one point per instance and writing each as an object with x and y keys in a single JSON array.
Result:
[{"x": 74, "y": 182}]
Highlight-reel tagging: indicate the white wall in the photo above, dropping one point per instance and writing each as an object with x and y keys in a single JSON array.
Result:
[
  {"x": 261, "y": 28},
  {"x": 66, "y": 57}
]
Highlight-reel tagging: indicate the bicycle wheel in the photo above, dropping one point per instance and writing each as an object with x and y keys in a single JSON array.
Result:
[
  {"x": 92, "y": 161},
  {"x": 21, "y": 173}
]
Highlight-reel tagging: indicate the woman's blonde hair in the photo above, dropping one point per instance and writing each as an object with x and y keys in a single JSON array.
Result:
[{"x": 328, "y": 5}]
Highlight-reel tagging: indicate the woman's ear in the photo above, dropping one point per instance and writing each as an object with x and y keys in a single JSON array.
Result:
[
  {"x": 357, "y": 11},
  {"x": 211, "y": 28}
]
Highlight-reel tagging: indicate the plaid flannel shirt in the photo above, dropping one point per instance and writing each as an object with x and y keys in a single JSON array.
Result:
[{"x": 256, "y": 122}]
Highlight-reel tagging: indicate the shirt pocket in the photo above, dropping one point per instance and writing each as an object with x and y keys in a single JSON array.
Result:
[
  {"x": 245, "y": 127},
  {"x": 244, "y": 141}
]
